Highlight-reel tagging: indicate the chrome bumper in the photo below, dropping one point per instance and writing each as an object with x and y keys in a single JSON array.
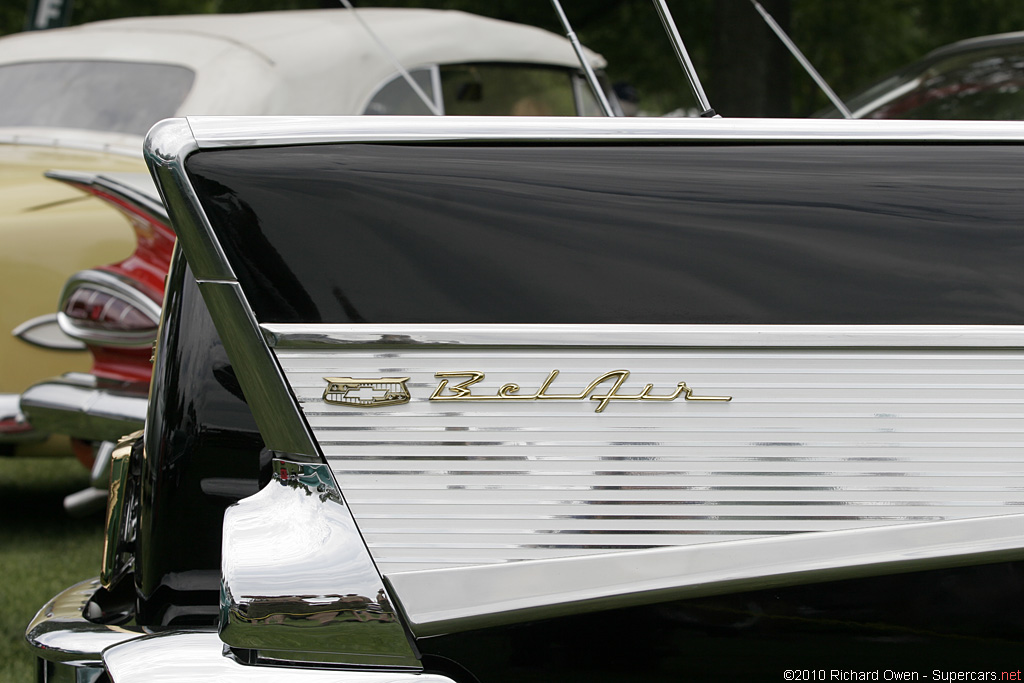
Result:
[
  {"x": 75, "y": 649},
  {"x": 75, "y": 404},
  {"x": 14, "y": 425},
  {"x": 66, "y": 641},
  {"x": 200, "y": 658}
]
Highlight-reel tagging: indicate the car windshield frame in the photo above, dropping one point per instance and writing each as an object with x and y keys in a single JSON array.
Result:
[{"x": 432, "y": 79}]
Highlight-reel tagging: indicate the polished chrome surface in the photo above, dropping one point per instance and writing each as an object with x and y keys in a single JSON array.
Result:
[
  {"x": 115, "y": 285},
  {"x": 588, "y": 71},
  {"x": 14, "y": 425},
  {"x": 86, "y": 502},
  {"x": 297, "y": 581},
  {"x": 67, "y": 673},
  {"x": 74, "y": 403},
  {"x": 99, "y": 475},
  {"x": 60, "y": 633},
  {"x": 136, "y": 188},
  {"x": 665, "y": 14},
  {"x": 450, "y": 600},
  {"x": 258, "y": 373},
  {"x": 647, "y": 336},
  {"x": 167, "y": 145},
  {"x": 887, "y": 426},
  {"x": 228, "y": 131},
  {"x": 199, "y": 658},
  {"x": 119, "y": 527},
  {"x": 44, "y": 331}
]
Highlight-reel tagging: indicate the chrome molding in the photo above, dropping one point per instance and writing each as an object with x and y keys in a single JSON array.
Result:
[
  {"x": 218, "y": 132},
  {"x": 14, "y": 425},
  {"x": 258, "y": 373},
  {"x": 135, "y": 188},
  {"x": 167, "y": 146},
  {"x": 59, "y": 632},
  {"x": 44, "y": 331},
  {"x": 864, "y": 428},
  {"x": 452, "y": 600},
  {"x": 118, "y": 286},
  {"x": 199, "y": 658},
  {"x": 298, "y": 583},
  {"x": 646, "y": 336},
  {"x": 76, "y": 404}
]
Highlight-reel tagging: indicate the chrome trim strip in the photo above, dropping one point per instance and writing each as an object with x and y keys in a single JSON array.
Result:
[
  {"x": 300, "y": 336},
  {"x": 452, "y": 600},
  {"x": 14, "y": 424},
  {"x": 44, "y": 331},
  {"x": 298, "y": 583},
  {"x": 199, "y": 658},
  {"x": 59, "y": 632},
  {"x": 232, "y": 131},
  {"x": 76, "y": 405},
  {"x": 262, "y": 381},
  {"x": 135, "y": 188},
  {"x": 115, "y": 285},
  {"x": 167, "y": 146}
]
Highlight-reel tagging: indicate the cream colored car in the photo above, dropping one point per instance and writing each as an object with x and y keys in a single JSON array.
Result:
[{"x": 85, "y": 97}]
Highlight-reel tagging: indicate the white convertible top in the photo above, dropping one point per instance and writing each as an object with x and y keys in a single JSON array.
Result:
[{"x": 294, "y": 62}]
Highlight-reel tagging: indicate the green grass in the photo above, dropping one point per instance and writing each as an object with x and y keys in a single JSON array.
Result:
[{"x": 42, "y": 549}]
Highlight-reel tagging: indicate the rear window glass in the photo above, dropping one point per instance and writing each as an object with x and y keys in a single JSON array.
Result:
[
  {"x": 507, "y": 90},
  {"x": 486, "y": 90},
  {"x": 120, "y": 97}
]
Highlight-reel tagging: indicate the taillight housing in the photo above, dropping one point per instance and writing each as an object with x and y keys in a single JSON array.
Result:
[{"x": 104, "y": 308}]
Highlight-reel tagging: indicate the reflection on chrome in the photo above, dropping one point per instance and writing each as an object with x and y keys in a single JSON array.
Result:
[
  {"x": 298, "y": 583},
  {"x": 199, "y": 658},
  {"x": 61, "y": 633}
]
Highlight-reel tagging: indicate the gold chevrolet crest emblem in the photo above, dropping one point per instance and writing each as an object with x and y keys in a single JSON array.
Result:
[{"x": 366, "y": 393}]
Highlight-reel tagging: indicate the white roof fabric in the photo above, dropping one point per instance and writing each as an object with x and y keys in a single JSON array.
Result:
[{"x": 295, "y": 62}]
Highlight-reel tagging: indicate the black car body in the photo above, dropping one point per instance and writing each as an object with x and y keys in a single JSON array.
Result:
[{"x": 486, "y": 400}]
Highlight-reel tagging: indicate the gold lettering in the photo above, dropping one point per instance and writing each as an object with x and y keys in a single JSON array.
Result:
[
  {"x": 462, "y": 390},
  {"x": 510, "y": 391}
]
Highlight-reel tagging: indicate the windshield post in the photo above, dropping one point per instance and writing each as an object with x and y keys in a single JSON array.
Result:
[{"x": 602, "y": 99}]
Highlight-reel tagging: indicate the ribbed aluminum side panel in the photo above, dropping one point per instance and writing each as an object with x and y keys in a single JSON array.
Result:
[{"x": 813, "y": 440}]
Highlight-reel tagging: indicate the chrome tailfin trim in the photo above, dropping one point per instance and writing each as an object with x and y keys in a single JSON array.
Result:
[
  {"x": 167, "y": 146},
  {"x": 61, "y": 633},
  {"x": 262, "y": 382},
  {"x": 298, "y": 584},
  {"x": 199, "y": 658},
  {"x": 387, "y": 336},
  {"x": 452, "y": 600}
]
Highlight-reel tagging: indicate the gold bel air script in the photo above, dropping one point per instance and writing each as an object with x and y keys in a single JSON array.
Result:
[{"x": 510, "y": 392}]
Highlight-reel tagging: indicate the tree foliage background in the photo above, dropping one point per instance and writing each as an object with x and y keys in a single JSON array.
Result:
[{"x": 744, "y": 69}]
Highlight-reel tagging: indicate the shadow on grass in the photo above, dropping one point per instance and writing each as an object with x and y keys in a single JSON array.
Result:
[{"x": 42, "y": 549}]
